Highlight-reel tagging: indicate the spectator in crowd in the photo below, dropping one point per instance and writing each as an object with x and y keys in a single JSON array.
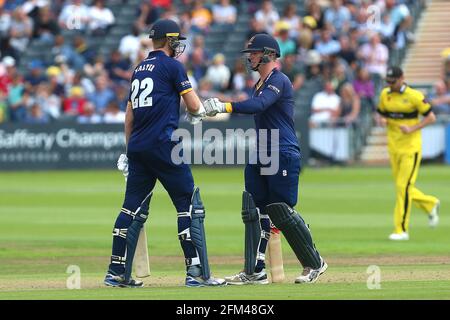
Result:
[
  {"x": 350, "y": 104},
  {"x": 50, "y": 104},
  {"x": 147, "y": 14},
  {"x": 255, "y": 26},
  {"x": 338, "y": 16},
  {"x": 15, "y": 100},
  {"x": 305, "y": 43},
  {"x": 224, "y": 13},
  {"x": 102, "y": 96},
  {"x": 162, "y": 4},
  {"x": 89, "y": 116},
  {"x": 364, "y": 87},
  {"x": 36, "y": 75},
  {"x": 339, "y": 75},
  {"x": 32, "y": 7},
  {"x": 20, "y": 31},
  {"x": 55, "y": 81},
  {"x": 238, "y": 76},
  {"x": 3, "y": 108},
  {"x": 7, "y": 72},
  {"x": 314, "y": 10},
  {"x": 201, "y": 17},
  {"x": 440, "y": 99},
  {"x": 347, "y": 52},
  {"x": 73, "y": 105},
  {"x": 36, "y": 115},
  {"x": 327, "y": 45},
  {"x": 293, "y": 70},
  {"x": 74, "y": 16},
  {"x": 267, "y": 16},
  {"x": 386, "y": 29},
  {"x": 199, "y": 44},
  {"x": 130, "y": 44},
  {"x": 61, "y": 49},
  {"x": 326, "y": 106},
  {"x": 287, "y": 45},
  {"x": 78, "y": 79},
  {"x": 113, "y": 114},
  {"x": 95, "y": 69},
  {"x": 46, "y": 27},
  {"x": 375, "y": 56},
  {"x": 79, "y": 54},
  {"x": 100, "y": 18},
  {"x": 313, "y": 63},
  {"x": 218, "y": 73},
  {"x": 122, "y": 95},
  {"x": 119, "y": 69},
  {"x": 292, "y": 19},
  {"x": 196, "y": 64},
  {"x": 5, "y": 22}
]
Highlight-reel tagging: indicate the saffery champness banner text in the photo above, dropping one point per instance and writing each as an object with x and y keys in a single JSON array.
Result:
[{"x": 60, "y": 146}]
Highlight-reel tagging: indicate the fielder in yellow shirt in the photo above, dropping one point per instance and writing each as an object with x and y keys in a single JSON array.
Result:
[{"x": 400, "y": 106}]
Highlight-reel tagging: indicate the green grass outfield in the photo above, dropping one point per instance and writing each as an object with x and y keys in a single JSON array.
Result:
[{"x": 51, "y": 220}]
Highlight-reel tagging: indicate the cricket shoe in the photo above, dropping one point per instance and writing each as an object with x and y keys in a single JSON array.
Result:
[
  {"x": 399, "y": 236},
  {"x": 433, "y": 218},
  {"x": 310, "y": 275},
  {"x": 113, "y": 280},
  {"x": 193, "y": 282},
  {"x": 242, "y": 278}
]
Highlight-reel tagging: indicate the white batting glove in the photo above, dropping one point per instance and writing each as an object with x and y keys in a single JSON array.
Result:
[
  {"x": 195, "y": 118},
  {"x": 213, "y": 106},
  {"x": 122, "y": 164}
]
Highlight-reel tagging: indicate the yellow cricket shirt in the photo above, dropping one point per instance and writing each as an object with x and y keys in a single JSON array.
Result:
[{"x": 403, "y": 108}]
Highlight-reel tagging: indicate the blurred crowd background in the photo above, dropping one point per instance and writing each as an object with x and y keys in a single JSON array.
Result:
[{"x": 58, "y": 61}]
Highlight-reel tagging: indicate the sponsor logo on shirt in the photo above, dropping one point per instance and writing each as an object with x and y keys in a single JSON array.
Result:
[
  {"x": 186, "y": 83},
  {"x": 273, "y": 88}
]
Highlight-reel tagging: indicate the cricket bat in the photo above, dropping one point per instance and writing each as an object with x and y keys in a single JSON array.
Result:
[
  {"x": 275, "y": 256},
  {"x": 141, "y": 261}
]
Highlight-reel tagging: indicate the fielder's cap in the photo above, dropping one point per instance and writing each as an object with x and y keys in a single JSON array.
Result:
[
  {"x": 165, "y": 28},
  {"x": 394, "y": 72},
  {"x": 262, "y": 42}
]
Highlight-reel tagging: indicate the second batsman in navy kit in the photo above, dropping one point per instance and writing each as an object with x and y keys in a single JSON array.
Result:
[
  {"x": 152, "y": 116},
  {"x": 271, "y": 197}
]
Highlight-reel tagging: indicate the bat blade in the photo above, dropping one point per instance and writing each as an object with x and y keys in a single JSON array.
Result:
[
  {"x": 141, "y": 260},
  {"x": 275, "y": 256}
]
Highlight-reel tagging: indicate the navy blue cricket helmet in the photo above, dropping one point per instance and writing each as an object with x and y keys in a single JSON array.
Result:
[
  {"x": 165, "y": 28},
  {"x": 263, "y": 42}
]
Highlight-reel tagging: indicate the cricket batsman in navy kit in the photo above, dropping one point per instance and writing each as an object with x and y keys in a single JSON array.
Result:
[
  {"x": 271, "y": 197},
  {"x": 152, "y": 115}
]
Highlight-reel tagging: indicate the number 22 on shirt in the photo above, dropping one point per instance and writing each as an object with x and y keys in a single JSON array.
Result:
[{"x": 140, "y": 93}]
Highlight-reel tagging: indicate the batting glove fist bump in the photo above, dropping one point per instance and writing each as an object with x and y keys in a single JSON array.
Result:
[
  {"x": 196, "y": 117},
  {"x": 213, "y": 106},
  {"x": 122, "y": 164}
]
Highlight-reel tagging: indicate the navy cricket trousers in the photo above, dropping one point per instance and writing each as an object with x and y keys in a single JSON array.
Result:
[
  {"x": 280, "y": 187},
  {"x": 145, "y": 167}
]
